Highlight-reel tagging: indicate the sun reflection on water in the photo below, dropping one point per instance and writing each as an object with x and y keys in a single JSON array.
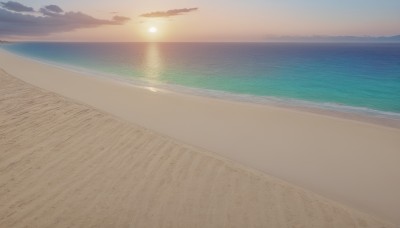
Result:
[{"x": 153, "y": 62}]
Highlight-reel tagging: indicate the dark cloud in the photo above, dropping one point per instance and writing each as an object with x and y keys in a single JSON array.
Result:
[
  {"x": 15, "y": 6},
  {"x": 18, "y": 24},
  {"x": 54, "y": 8},
  {"x": 51, "y": 10},
  {"x": 46, "y": 12},
  {"x": 169, "y": 13}
]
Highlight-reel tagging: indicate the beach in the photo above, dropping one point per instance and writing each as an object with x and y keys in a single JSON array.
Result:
[{"x": 79, "y": 150}]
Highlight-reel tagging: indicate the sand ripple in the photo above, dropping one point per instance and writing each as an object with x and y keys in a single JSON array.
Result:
[{"x": 65, "y": 164}]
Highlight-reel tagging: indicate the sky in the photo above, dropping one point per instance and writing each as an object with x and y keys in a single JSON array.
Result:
[{"x": 194, "y": 20}]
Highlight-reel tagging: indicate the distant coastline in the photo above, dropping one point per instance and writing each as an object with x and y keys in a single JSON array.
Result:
[
  {"x": 3, "y": 42},
  {"x": 266, "y": 39},
  {"x": 339, "y": 39}
]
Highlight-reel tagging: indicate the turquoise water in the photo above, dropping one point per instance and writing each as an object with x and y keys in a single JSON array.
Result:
[{"x": 361, "y": 76}]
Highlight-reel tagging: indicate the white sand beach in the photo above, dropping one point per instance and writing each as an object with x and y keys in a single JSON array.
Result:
[{"x": 84, "y": 151}]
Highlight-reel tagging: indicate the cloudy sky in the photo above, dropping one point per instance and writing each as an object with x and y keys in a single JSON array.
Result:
[{"x": 194, "y": 20}]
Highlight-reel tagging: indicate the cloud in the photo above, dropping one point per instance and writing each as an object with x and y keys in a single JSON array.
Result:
[
  {"x": 19, "y": 24},
  {"x": 15, "y": 6},
  {"x": 46, "y": 12},
  {"x": 169, "y": 13},
  {"x": 51, "y": 10},
  {"x": 54, "y": 8},
  {"x": 121, "y": 19}
]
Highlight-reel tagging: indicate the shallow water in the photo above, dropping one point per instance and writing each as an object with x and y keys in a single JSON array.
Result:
[{"x": 357, "y": 77}]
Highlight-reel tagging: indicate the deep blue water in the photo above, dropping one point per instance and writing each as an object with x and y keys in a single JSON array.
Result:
[{"x": 366, "y": 76}]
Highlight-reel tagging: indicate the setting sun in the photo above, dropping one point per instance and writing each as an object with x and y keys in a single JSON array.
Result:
[{"x": 152, "y": 30}]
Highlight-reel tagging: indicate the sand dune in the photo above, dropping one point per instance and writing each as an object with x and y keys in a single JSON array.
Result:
[{"x": 65, "y": 164}]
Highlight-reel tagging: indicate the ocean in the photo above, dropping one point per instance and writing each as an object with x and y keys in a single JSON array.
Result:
[{"x": 347, "y": 77}]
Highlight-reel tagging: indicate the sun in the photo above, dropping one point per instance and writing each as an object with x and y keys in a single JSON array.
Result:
[{"x": 152, "y": 30}]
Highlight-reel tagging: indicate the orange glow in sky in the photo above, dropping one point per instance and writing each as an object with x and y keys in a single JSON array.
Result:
[{"x": 182, "y": 20}]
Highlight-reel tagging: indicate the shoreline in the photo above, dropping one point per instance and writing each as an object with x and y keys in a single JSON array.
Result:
[
  {"x": 354, "y": 113},
  {"x": 352, "y": 162},
  {"x": 140, "y": 178}
]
